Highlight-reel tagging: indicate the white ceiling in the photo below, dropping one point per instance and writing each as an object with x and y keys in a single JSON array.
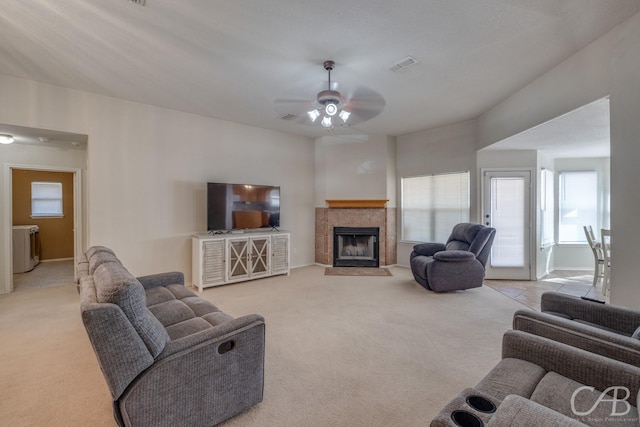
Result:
[
  {"x": 233, "y": 59},
  {"x": 584, "y": 132}
]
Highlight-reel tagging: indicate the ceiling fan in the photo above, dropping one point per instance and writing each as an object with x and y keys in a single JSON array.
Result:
[{"x": 331, "y": 108}]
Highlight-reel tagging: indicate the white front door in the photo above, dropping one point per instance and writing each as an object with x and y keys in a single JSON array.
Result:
[{"x": 506, "y": 206}]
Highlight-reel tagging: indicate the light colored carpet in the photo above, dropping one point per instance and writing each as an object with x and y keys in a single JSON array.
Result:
[
  {"x": 340, "y": 351},
  {"x": 356, "y": 271}
]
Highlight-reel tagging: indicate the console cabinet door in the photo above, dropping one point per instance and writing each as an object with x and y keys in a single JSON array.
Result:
[
  {"x": 213, "y": 262},
  {"x": 238, "y": 258},
  {"x": 259, "y": 259},
  {"x": 280, "y": 254}
]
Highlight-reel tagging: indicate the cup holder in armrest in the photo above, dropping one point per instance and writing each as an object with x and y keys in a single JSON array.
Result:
[
  {"x": 466, "y": 419},
  {"x": 481, "y": 404}
]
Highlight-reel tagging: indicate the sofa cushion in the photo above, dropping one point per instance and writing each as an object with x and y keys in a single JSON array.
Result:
[
  {"x": 457, "y": 245},
  {"x": 95, "y": 249},
  {"x": 465, "y": 232},
  {"x": 558, "y": 314},
  {"x": 82, "y": 267},
  {"x": 511, "y": 376},
  {"x": 115, "y": 285},
  {"x": 188, "y": 327},
  {"x": 517, "y": 411},
  {"x": 556, "y": 392},
  {"x": 99, "y": 258},
  {"x": 595, "y": 325},
  {"x": 174, "y": 304}
]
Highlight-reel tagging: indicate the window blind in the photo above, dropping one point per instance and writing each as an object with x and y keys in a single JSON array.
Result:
[
  {"x": 432, "y": 205},
  {"x": 578, "y": 205},
  {"x": 46, "y": 199}
]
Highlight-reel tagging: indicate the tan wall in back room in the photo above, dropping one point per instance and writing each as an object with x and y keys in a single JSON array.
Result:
[{"x": 56, "y": 234}]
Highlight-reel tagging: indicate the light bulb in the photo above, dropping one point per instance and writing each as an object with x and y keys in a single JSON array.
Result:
[
  {"x": 344, "y": 115},
  {"x": 313, "y": 115},
  {"x": 326, "y": 121}
]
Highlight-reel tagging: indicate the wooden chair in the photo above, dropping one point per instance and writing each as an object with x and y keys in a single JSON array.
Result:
[
  {"x": 606, "y": 251},
  {"x": 598, "y": 255}
]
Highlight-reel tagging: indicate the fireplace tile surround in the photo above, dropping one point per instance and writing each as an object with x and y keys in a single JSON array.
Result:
[{"x": 327, "y": 218}]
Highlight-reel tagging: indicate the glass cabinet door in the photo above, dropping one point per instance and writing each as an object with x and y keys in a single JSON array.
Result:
[
  {"x": 238, "y": 258},
  {"x": 259, "y": 256}
]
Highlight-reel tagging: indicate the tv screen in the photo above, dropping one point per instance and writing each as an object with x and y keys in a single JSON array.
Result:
[{"x": 242, "y": 206}]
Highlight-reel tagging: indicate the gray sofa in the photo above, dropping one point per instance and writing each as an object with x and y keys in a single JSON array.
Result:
[
  {"x": 457, "y": 264},
  {"x": 541, "y": 382},
  {"x": 605, "y": 329},
  {"x": 169, "y": 357}
]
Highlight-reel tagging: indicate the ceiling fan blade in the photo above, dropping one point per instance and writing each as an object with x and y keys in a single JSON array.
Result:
[
  {"x": 364, "y": 104},
  {"x": 293, "y": 106}
]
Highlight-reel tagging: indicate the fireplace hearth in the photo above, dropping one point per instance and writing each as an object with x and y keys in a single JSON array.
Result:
[{"x": 356, "y": 247}]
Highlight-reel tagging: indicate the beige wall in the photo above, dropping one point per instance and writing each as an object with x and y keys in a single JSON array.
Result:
[
  {"x": 56, "y": 234},
  {"x": 355, "y": 167},
  {"x": 147, "y": 169}
]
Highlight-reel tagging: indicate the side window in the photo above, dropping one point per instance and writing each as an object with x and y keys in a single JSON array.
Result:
[
  {"x": 46, "y": 199},
  {"x": 578, "y": 205}
]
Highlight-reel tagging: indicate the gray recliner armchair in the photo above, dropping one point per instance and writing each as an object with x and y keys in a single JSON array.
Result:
[
  {"x": 608, "y": 330},
  {"x": 458, "y": 264}
]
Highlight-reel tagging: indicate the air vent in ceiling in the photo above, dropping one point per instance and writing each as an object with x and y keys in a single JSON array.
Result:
[
  {"x": 404, "y": 63},
  {"x": 140, "y": 2},
  {"x": 288, "y": 116}
]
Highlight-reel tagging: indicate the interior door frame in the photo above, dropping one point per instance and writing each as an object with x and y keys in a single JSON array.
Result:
[
  {"x": 8, "y": 215},
  {"x": 532, "y": 211}
]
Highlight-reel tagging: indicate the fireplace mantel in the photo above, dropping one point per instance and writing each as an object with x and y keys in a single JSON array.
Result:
[{"x": 359, "y": 203}]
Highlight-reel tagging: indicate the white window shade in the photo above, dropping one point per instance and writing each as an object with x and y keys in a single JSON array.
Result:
[
  {"x": 578, "y": 205},
  {"x": 46, "y": 199},
  {"x": 432, "y": 205}
]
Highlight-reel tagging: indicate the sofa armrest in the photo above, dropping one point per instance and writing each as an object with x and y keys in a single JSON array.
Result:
[
  {"x": 428, "y": 249},
  {"x": 454, "y": 256},
  {"x": 613, "y": 317},
  {"x": 162, "y": 279},
  {"x": 218, "y": 333},
  {"x": 576, "y": 334},
  {"x": 517, "y": 410},
  {"x": 574, "y": 363}
]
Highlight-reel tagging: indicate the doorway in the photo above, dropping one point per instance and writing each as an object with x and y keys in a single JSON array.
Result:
[
  {"x": 76, "y": 227},
  {"x": 506, "y": 206}
]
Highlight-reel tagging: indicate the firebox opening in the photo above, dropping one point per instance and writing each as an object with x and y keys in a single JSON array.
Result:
[{"x": 356, "y": 247}]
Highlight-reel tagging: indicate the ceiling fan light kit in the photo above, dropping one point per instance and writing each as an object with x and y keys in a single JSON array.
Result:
[
  {"x": 330, "y": 109},
  {"x": 331, "y": 103}
]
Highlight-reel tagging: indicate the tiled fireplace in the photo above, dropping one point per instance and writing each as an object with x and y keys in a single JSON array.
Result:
[
  {"x": 356, "y": 247},
  {"x": 361, "y": 216}
]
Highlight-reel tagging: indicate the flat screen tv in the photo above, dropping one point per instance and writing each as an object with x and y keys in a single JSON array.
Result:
[{"x": 242, "y": 206}]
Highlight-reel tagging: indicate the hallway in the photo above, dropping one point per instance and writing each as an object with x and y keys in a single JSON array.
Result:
[{"x": 45, "y": 274}]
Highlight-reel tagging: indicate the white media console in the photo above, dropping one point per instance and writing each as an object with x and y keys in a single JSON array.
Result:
[{"x": 236, "y": 257}]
